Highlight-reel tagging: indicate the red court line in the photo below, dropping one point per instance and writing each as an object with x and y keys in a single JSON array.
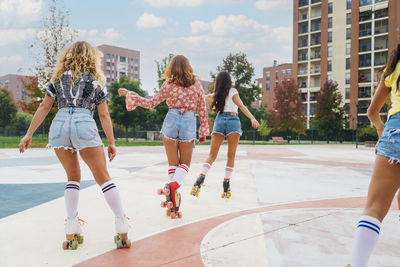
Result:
[{"x": 181, "y": 246}]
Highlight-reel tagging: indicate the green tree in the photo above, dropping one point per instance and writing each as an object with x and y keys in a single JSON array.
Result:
[
  {"x": 287, "y": 115},
  {"x": 8, "y": 109},
  {"x": 242, "y": 72},
  {"x": 20, "y": 124},
  {"x": 329, "y": 114},
  {"x": 136, "y": 118}
]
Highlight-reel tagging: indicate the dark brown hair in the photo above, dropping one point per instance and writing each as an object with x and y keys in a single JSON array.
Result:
[
  {"x": 223, "y": 84},
  {"x": 392, "y": 63}
]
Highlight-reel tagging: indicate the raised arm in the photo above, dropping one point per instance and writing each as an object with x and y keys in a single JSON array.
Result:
[
  {"x": 376, "y": 105},
  {"x": 203, "y": 116},
  {"x": 133, "y": 99},
  {"x": 238, "y": 102},
  {"x": 37, "y": 119}
]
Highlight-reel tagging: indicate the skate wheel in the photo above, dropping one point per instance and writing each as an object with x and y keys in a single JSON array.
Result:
[
  {"x": 159, "y": 191},
  {"x": 223, "y": 195},
  {"x": 179, "y": 214},
  {"x": 65, "y": 245},
  {"x": 168, "y": 212},
  {"x": 163, "y": 204},
  {"x": 116, "y": 238},
  {"x": 173, "y": 215},
  {"x": 198, "y": 192},
  {"x": 192, "y": 191},
  {"x": 127, "y": 243},
  {"x": 119, "y": 244},
  {"x": 228, "y": 195},
  {"x": 170, "y": 205},
  {"x": 80, "y": 239},
  {"x": 74, "y": 244}
]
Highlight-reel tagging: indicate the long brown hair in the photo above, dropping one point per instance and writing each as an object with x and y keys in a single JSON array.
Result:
[
  {"x": 80, "y": 58},
  {"x": 180, "y": 72},
  {"x": 223, "y": 84},
  {"x": 392, "y": 63}
]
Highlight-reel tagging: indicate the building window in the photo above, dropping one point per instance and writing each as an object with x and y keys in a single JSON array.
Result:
[
  {"x": 283, "y": 72},
  {"x": 136, "y": 77},
  {"x": 348, "y": 18},
  {"x": 365, "y": 29},
  {"x": 366, "y": 15},
  {"x": 348, "y": 4},
  {"x": 122, "y": 59},
  {"x": 136, "y": 61},
  {"x": 276, "y": 75},
  {"x": 348, "y": 78},
  {"x": 330, "y": 8},
  {"x": 108, "y": 56},
  {"x": 347, "y": 63},
  {"x": 347, "y": 93},
  {"x": 347, "y": 106},
  {"x": 136, "y": 68},
  {"x": 108, "y": 80},
  {"x": 365, "y": 2},
  {"x": 329, "y": 51},
  {"x": 329, "y": 36},
  {"x": 108, "y": 72},
  {"x": 348, "y": 48},
  {"x": 268, "y": 86},
  {"x": 330, "y": 22},
  {"x": 364, "y": 60},
  {"x": 268, "y": 76},
  {"x": 108, "y": 64},
  {"x": 348, "y": 33},
  {"x": 289, "y": 72},
  {"x": 329, "y": 65}
]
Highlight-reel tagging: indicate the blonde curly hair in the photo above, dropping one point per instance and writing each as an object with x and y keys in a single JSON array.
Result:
[
  {"x": 80, "y": 58},
  {"x": 180, "y": 72}
]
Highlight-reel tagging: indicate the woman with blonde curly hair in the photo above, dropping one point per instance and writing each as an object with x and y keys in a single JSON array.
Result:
[
  {"x": 78, "y": 87},
  {"x": 184, "y": 95}
]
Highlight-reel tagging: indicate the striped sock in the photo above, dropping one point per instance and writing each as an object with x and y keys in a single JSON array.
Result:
[
  {"x": 204, "y": 169},
  {"x": 71, "y": 196},
  {"x": 111, "y": 194},
  {"x": 171, "y": 172},
  {"x": 228, "y": 173},
  {"x": 364, "y": 243},
  {"x": 180, "y": 173}
]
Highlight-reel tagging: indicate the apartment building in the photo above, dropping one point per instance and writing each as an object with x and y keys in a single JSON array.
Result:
[
  {"x": 271, "y": 77},
  {"x": 347, "y": 41},
  {"x": 119, "y": 61},
  {"x": 14, "y": 84}
]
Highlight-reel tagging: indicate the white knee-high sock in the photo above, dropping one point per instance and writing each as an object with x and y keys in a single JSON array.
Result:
[
  {"x": 71, "y": 196},
  {"x": 364, "y": 243},
  {"x": 171, "y": 172},
  {"x": 228, "y": 173},
  {"x": 180, "y": 173},
  {"x": 111, "y": 194},
  {"x": 204, "y": 169}
]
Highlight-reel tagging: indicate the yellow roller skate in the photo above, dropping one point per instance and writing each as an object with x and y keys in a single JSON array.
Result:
[
  {"x": 197, "y": 186},
  {"x": 227, "y": 189}
]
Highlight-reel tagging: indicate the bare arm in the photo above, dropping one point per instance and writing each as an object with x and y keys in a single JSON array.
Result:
[
  {"x": 37, "y": 119},
  {"x": 238, "y": 102},
  {"x": 106, "y": 123},
  {"x": 376, "y": 105}
]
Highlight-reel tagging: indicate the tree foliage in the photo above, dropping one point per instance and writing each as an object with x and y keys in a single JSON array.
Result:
[
  {"x": 136, "y": 118},
  {"x": 242, "y": 72},
  {"x": 287, "y": 114},
  {"x": 329, "y": 114},
  {"x": 8, "y": 109}
]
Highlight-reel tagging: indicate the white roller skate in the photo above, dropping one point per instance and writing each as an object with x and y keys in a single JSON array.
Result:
[
  {"x": 73, "y": 232},
  {"x": 122, "y": 228}
]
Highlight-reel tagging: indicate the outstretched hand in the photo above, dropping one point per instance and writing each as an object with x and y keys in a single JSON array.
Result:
[{"x": 122, "y": 92}]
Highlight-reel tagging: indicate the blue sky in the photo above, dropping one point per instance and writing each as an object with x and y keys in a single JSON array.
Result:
[{"x": 205, "y": 31}]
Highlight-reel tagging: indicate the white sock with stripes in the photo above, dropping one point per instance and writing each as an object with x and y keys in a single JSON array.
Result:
[
  {"x": 111, "y": 194},
  {"x": 180, "y": 173},
  {"x": 228, "y": 173},
  {"x": 71, "y": 196},
  {"x": 171, "y": 172},
  {"x": 204, "y": 169},
  {"x": 364, "y": 243}
]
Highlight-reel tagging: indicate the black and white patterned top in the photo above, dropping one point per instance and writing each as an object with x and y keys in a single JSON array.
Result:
[{"x": 85, "y": 93}]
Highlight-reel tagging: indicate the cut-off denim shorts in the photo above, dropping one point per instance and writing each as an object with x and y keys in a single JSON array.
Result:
[
  {"x": 180, "y": 127},
  {"x": 74, "y": 129},
  {"x": 225, "y": 123},
  {"x": 389, "y": 144}
]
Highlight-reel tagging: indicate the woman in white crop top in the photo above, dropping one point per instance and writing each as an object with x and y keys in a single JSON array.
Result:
[{"x": 225, "y": 102}]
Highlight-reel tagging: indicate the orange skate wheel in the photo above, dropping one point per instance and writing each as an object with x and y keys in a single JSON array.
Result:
[
  {"x": 159, "y": 191},
  {"x": 163, "y": 204},
  {"x": 168, "y": 212},
  {"x": 127, "y": 243},
  {"x": 173, "y": 215},
  {"x": 170, "y": 205},
  {"x": 65, "y": 245},
  {"x": 166, "y": 192},
  {"x": 179, "y": 214}
]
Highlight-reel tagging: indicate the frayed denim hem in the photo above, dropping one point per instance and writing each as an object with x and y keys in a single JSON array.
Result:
[
  {"x": 226, "y": 134},
  {"x": 178, "y": 140},
  {"x": 71, "y": 148}
]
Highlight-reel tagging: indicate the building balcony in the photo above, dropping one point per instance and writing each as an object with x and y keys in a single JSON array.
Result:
[{"x": 303, "y": 3}]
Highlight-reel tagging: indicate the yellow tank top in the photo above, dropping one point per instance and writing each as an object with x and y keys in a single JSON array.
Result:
[{"x": 391, "y": 82}]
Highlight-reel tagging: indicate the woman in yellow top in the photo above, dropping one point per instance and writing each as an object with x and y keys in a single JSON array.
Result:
[{"x": 386, "y": 174}]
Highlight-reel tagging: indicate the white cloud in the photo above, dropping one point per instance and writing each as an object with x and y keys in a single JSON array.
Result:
[
  {"x": 241, "y": 47},
  {"x": 282, "y": 34},
  {"x": 10, "y": 59},
  {"x": 15, "y": 36},
  {"x": 197, "y": 42},
  {"x": 174, "y": 3},
  {"x": 19, "y": 12},
  {"x": 274, "y": 4},
  {"x": 96, "y": 37},
  {"x": 147, "y": 20},
  {"x": 223, "y": 25}
]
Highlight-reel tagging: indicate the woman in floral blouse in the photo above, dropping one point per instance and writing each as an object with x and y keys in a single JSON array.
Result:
[{"x": 184, "y": 95}]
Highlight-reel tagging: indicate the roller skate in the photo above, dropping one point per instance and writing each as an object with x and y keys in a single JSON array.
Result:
[
  {"x": 173, "y": 199},
  {"x": 227, "y": 189},
  {"x": 122, "y": 228},
  {"x": 73, "y": 232},
  {"x": 197, "y": 186}
]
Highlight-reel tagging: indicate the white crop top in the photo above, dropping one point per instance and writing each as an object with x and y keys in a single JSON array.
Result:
[{"x": 229, "y": 105}]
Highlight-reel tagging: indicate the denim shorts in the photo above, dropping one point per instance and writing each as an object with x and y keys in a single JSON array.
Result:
[
  {"x": 389, "y": 144},
  {"x": 227, "y": 124},
  {"x": 179, "y": 126},
  {"x": 74, "y": 129}
]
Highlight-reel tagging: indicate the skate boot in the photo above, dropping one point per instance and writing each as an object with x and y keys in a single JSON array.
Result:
[
  {"x": 197, "y": 185},
  {"x": 73, "y": 232},
  {"x": 122, "y": 227},
  {"x": 227, "y": 189},
  {"x": 173, "y": 199}
]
